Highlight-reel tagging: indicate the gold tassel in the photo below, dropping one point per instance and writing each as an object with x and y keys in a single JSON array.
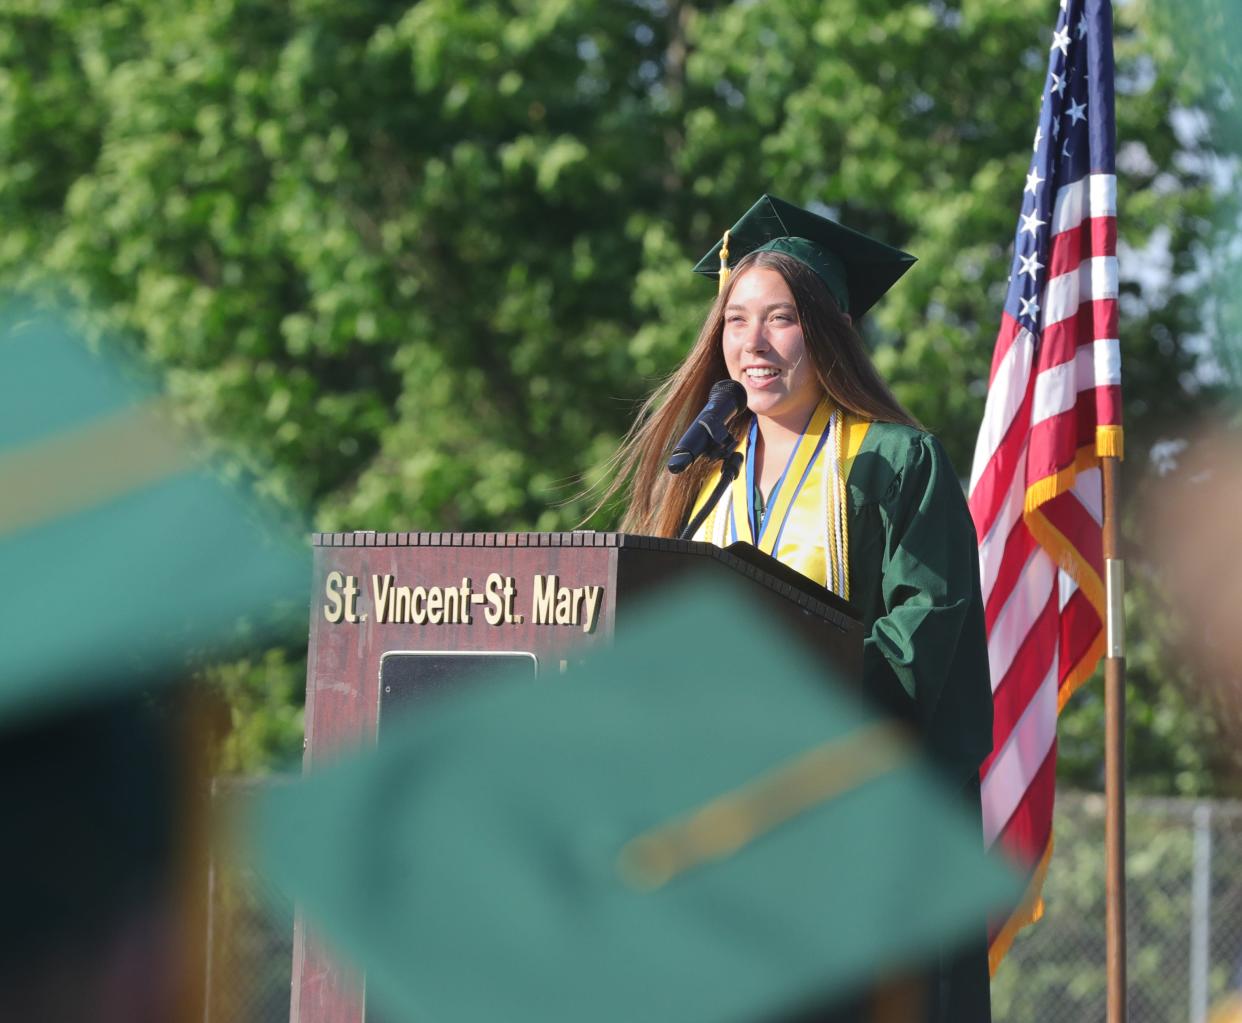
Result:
[
  {"x": 724, "y": 264},
  {"x": 1109, "y": 442},
  {"x": 843, "y": 508}
]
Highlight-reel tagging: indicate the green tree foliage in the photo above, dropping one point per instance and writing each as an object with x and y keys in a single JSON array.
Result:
[
  {"x": 415, "y": 264},
  {"x": 1204, "y": 36}
]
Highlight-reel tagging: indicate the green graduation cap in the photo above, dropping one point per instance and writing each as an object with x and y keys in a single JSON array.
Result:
[
  {"x": 121, "y": 553},
  {"x": 672, "y": 832},
  {"x": 857, "y": 269}
]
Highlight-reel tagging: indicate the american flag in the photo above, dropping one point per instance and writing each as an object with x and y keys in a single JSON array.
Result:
[{"x": 1053, "y": 411}]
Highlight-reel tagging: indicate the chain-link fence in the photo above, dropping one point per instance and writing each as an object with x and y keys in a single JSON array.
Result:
[
  {"x": 1183, "y": 916},
  {"x": 1184, "y": 924},
  {"x": 249, "y": 951}
]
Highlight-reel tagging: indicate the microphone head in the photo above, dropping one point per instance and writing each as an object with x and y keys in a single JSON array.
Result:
[
  {"x": 708, "y": 430},
  {"x": 730, "y": 394}
]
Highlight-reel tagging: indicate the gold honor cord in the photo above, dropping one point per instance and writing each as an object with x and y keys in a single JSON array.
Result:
[
  {"x": 735, "y": 819},
  {"x": 805, "y": 450},
  {"x": 740, "y": 505},
  {"x": 88, "y": 465}
]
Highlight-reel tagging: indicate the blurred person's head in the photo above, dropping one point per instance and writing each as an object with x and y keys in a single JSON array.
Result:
[
  {"x": 94, "y": 859},
  {"x": 1194, "y": 531}
]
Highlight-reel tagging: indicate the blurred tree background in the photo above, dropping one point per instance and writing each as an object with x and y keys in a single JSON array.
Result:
[{"x": 414, "y": 264}]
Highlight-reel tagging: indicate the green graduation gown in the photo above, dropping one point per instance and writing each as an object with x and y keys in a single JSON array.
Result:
[{"x": 914, "y": 576}]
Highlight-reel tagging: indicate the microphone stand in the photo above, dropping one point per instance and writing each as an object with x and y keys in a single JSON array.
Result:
[{"x": 728, "y": 473}]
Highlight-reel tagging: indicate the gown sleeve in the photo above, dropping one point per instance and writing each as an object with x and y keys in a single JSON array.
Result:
[{"x": 928, "y": 632}]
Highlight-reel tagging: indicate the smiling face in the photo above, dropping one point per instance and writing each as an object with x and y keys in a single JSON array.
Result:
[{"x": 765, "y": 351}]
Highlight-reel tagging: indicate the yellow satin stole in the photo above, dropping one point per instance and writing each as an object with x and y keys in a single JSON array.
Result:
[{"x": 805, "y": 523}]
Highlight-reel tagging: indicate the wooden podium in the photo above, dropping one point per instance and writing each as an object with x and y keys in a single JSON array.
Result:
[{"x": 396, "y": 616}]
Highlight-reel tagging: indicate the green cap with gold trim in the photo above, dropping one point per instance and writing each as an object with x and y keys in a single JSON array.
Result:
[
  {"x": 122, "y": 554},
  {"x": 857, "y": 269},
  {"x": 697, "y": 824}
]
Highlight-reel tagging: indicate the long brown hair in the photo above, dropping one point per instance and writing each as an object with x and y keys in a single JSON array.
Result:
[{"x": 660, "y": 502}]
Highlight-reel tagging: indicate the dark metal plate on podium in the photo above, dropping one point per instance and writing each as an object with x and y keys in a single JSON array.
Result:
[{"x": 408, "y": 678}]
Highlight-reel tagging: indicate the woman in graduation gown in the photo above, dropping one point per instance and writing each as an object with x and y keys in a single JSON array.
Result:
[{"x": 841, "y": 483}]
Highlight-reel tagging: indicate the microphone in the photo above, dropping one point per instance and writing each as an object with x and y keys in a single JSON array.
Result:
[{"x": 707, "y": 434}]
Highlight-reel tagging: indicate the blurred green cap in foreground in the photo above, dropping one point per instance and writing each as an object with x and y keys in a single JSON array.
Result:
[
  {"x": 696, "y": 825},
  {"x": 121, "y": 553}
]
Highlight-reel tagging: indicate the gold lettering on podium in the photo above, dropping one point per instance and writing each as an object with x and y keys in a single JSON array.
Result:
[{"x": 552, "y": 603}]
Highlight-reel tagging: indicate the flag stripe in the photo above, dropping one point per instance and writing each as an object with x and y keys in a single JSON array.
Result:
[
  {"x": 1074, "y": 521},
  {"x": 1008, "y": 561},
  {"x": 1022, "y": 608},
  {"x": 1061, "y": 340},
  {"x": 1107, "y": 405},
  {"x": 1003, "y": 433},
  {"x": 991, "y": 492},
  {"x": 1024, "y": 674},
  {"x": 1010, "y": 375},
  {"x": 1058, "y": 387},
  {"x": 1080, "y": 625},
  {"x": 1089, "y": 490},
  {"x": 1017, "y": 761},
  {"x": 1009, "y": 330},
  {"x": 1030, "y": 824},
  {"x": 1092, "y": 196},
  {"x": 1094, "y": 278},
  {"x": 1099, "y": 234}
]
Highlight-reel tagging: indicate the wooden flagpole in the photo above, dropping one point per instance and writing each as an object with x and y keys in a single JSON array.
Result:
[{"x": 1114, "y": 751}]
